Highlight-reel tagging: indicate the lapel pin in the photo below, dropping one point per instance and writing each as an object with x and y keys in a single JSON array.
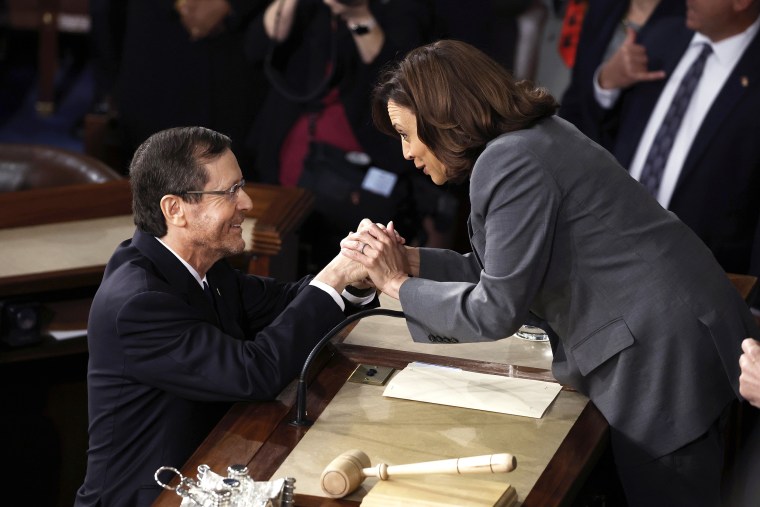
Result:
[
  {"x": 217, "y": 291},
  {"x": 745, "y": 81}
]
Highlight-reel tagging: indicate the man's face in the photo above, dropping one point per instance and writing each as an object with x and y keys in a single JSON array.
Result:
[{"x": 214, "y": 223}]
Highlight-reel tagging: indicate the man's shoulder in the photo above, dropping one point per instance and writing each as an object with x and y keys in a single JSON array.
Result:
[{"x": 129, "y": 272}]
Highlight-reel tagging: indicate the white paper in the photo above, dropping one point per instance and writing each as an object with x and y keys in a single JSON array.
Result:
[
  {"x": 66, "y": 335},
  {"x": 480, "y": 391}
]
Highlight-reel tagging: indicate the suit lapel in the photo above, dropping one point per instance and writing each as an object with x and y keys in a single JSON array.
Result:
[
  {"x": 743, "y": 80},
  {"x": 224, "y": 296},
  {"x": 175, "y": 273}
]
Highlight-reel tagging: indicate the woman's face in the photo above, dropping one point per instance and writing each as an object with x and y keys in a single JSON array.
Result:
[{"x": 405, "y": 123}]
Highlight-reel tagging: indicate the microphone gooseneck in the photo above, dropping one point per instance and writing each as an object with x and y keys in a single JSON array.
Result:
[{"x": 301, "y": 419}]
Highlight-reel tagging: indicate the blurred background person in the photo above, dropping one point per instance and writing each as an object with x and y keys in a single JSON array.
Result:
[
  {"x": 605, "y": 26},
  {"x": 169, "y": 63},
  {"x": 683, "y": 120},
  {"x": 322, "y": 58}
]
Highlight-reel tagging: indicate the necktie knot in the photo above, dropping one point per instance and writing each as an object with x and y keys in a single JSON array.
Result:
[{"x": 209, "y": 295}]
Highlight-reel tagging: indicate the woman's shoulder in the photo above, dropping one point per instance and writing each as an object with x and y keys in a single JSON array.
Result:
[
  {"x": 543, "y": 145},
  {"x": 536, "y": 138}
]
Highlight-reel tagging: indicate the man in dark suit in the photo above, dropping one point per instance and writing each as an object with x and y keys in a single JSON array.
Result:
[
  {"x": 175, "y": 335},
  {"x": 170, "y": 63},
  {"x": 711, "y": 179},
  {"x": 604, "y": 26}
]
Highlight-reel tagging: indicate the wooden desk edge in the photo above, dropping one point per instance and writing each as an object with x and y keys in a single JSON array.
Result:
[
  {"x": 272, "y": 438},
  {"x": 278, "y": 211},
  {"x": 64, "y": 204}
]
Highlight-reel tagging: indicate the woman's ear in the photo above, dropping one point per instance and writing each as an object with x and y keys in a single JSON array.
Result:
[{"x": 173, "y": 208}]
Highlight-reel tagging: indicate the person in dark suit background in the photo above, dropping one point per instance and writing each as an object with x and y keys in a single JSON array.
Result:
[
  {"x": 712, "y": 175},
  {"x": 175, "y": 335},
  {"x": 605, "y": 25},
  {"x": 641, "y": 318},
  {"x": 322, "y": 58},
  {"x": 171, "y": 63}
]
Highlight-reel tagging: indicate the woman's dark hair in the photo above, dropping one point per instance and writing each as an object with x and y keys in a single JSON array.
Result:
[
  {"x": 171, "y": 162},
  {"x": 461, "y": 98}
]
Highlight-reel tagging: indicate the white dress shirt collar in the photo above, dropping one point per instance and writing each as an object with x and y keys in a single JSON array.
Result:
[
  {"x": 185, "y": 263},
  {"x": 728, "y": 51}
]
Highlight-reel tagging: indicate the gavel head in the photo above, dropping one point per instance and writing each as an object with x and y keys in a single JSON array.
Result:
[{"x": 344, "y": 474}]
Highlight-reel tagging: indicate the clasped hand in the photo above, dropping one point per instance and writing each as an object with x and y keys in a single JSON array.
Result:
[{"x": 380, "y": 249}]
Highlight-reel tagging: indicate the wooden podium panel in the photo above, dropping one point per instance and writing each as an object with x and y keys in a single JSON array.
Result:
[{"x": 552, "y": 463}]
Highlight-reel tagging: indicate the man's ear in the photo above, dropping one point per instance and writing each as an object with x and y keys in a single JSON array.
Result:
[
  {"x": 173, "y": 208},
  {"x": 741, "y": 5}
]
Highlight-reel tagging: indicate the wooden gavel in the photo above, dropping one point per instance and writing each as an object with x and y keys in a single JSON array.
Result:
[{"x": 346, "y": 472}]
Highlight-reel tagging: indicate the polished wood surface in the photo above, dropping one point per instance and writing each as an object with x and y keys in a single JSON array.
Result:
[
  {"x": 261, "y": 435},
  {"x": 64, "y": 204},
  {"x": 278, "y": 211}
]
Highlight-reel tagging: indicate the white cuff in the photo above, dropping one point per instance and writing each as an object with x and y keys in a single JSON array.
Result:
[
  {"x": 331, "y": 291},
  {"x": 605, "y": 98},
  {"x": 361, "y": 301}
]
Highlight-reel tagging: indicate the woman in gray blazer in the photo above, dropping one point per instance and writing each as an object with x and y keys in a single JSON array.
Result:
[{"x": 642, "y": 319}]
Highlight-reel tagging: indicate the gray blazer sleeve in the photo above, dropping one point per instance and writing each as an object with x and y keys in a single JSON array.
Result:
[{"x": 514, "y": 204}]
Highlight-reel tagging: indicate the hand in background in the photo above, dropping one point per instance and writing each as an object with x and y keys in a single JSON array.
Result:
[
  {"x": 749, "y": 380},
  {"x": 202, "y": 18},
  {"x": 628, "y": 65},
  {"x": 357, "y": 12}
]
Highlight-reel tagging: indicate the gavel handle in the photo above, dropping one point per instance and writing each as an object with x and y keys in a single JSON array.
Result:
[{"x": 486, "y": 464}]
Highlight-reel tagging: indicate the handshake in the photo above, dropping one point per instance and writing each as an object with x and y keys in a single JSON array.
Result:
[{"x": 373, "y": 256}]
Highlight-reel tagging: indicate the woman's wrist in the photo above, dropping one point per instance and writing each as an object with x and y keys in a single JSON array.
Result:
[{"x": 413, "y": 259}]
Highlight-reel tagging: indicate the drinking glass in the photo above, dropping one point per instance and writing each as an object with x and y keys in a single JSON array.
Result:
[{"x": 532, "y": 333}]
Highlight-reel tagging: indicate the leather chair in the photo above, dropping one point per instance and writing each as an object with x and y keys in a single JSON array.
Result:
[{"x": 27, "y": 166}]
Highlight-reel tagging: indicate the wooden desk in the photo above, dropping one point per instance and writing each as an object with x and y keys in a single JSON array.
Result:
[
  {"x": 261, "y": 436},
  {"x": 54, "y": 244}
]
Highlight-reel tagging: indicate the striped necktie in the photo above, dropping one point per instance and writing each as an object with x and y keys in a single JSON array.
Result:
[{"x": 654, "y": 165}]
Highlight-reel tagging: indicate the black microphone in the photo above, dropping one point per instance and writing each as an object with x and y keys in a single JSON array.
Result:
[{"x": 301, "y": 419}]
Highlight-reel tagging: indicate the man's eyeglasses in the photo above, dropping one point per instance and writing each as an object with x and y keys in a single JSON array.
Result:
[{"x": 230, "y": 193}]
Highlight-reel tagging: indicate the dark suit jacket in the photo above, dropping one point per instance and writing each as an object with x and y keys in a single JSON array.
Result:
[
  {"x": 602, "y": 19},
  {"x": 165, "y": 79},
  {"x": 649, "y": 326},
  {"x": 718, "y": 191},
  {"x": 164, "y": 368}
]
